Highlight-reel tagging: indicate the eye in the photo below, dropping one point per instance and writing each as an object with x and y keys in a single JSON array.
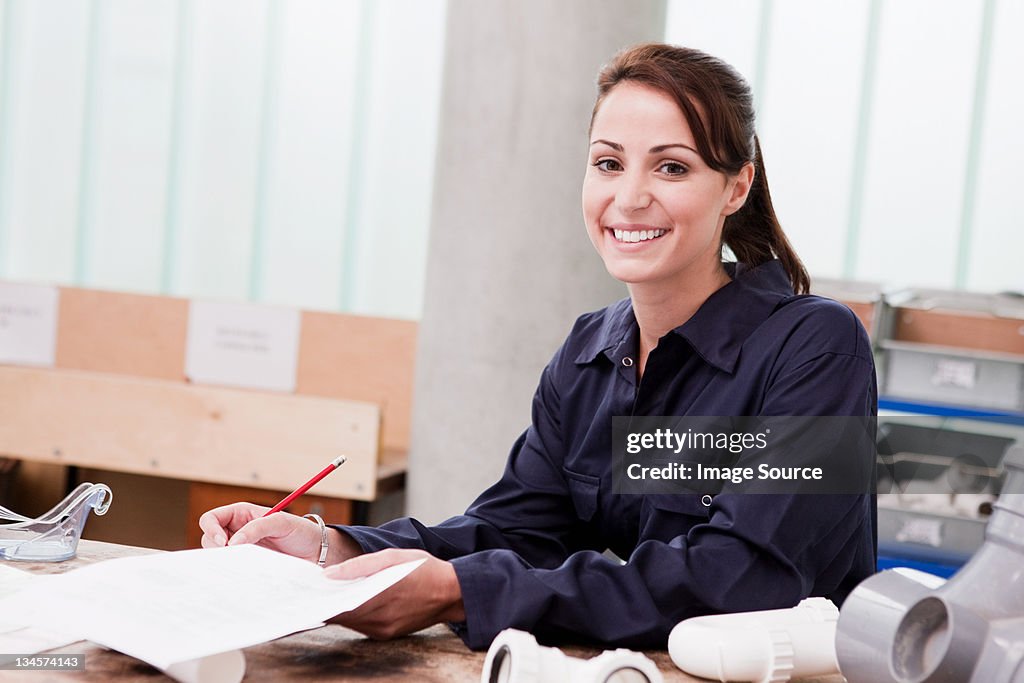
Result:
[
  {"x": 673, "y": 168},
  {"x": 607, "y": 165}
]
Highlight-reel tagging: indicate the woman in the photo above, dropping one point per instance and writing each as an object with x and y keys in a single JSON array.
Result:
[{"x": 674, "y": 173}]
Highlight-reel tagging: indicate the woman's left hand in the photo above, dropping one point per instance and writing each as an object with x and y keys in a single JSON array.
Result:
[{"x": 429, "y": 595}]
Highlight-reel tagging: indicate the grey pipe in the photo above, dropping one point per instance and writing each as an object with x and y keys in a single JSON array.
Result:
[{"x": 903, "y": 626}]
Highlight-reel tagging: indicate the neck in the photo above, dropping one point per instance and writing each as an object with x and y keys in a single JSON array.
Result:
[{"x": 660, "y": 308}]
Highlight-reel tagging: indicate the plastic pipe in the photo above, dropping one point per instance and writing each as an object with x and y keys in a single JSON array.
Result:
[
  {"x": 515, "y": 657},
  {"x": 908, "y": 627},
  {"x": 770, "y": 645}
]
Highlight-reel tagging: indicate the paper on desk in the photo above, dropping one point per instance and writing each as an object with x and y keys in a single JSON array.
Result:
[
  {"x": 30, "y": 640},
  {"x": 18, "y": 639},
  {"x": 16, "y": 636},
  {"x": 171, "y": 607},
  {"x": 13, "y": 580}
]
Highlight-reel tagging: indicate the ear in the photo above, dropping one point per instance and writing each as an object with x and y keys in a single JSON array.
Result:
[{"x": 738, "y": 188}]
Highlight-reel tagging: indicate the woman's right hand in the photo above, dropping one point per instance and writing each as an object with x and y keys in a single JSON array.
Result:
[{"x": 282, "y": 531}]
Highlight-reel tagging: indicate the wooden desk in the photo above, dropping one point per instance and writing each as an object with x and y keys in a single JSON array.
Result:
[{"x": 331, "y": 653}]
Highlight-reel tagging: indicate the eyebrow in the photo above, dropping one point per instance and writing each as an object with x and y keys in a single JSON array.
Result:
[{"x": 657, "y": 149}]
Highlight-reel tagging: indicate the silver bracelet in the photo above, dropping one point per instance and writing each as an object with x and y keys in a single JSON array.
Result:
[{"x": 323, "y": 537}]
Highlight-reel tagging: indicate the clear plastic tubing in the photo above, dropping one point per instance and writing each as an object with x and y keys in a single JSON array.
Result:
[{"x": 53, "y": 536}]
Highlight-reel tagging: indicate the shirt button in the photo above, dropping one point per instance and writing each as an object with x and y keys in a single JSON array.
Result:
[
  {"x": 705, "y": 500},
  {"x": 627, "y": 361}
]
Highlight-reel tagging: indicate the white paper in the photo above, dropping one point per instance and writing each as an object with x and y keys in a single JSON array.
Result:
[
  {"x": 16, "y": 636},
  {"x": 33, "y": 639},
  {"x": 28, "y": 324},
  {"x": 18, "y": 639},
  {"x": 13, "y": 580},
  {"x": 172, "y": 607},
  {"x": 242, "y": 345}
]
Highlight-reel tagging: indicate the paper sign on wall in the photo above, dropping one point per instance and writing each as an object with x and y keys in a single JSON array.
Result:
[
  {"x": 242, "y": 345},
  {"x": 28, "y": 324}
]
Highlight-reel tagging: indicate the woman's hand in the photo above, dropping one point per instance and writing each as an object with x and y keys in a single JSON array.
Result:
[
  {"x": 429, "y": 595},
  {"x": 284, "y": 532}
]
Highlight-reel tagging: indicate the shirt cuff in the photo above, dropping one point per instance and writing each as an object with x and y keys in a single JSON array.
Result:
[
  {"x": 366, "y": 537},
  {"x": 476, "y": 631}
]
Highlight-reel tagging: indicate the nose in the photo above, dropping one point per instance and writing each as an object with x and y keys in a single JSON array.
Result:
[{"x": 633, "y": 194}]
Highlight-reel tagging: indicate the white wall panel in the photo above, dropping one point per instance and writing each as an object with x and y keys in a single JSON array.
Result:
[
  {"x": 132, "y": 123},
  {"x": 46, "y": 88},
  {"x": 917, "y": 147},
  {"x": 295, "y": 162},
  {"x": 807, "y": 123},
  {"x": 401, "y": 128},
  {"x": 727, "y": 29},
  {"x": 998, "y": 222},
  {"x": 307, "y": 159},
  {"x": 220, "y": 136},
  {"x": 6, "y": 39}
]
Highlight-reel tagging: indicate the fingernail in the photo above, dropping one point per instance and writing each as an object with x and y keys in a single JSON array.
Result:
[
  {"x": 220, "y": 539},
  {"x": 238, "y": 539}
]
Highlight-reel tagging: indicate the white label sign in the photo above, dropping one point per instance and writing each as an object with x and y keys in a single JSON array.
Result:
[
  {"x": 242, "y": 345},
  {"x": 921, "y": 531},
  {"x": 28, "y": 324},
  {"x": 955, "y": 373}
]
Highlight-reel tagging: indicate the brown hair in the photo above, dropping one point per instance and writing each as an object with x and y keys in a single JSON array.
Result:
[{"x": 716, "y": 101}]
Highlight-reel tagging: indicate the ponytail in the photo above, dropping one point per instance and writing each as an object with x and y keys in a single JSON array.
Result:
[{"x": 754, "y": 234}]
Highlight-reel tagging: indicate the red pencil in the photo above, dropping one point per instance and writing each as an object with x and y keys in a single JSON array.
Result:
[{"x": 334, "y": 464}]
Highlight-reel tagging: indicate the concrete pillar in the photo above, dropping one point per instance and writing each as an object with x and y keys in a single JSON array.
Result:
[{"x": 510, "y": 266}]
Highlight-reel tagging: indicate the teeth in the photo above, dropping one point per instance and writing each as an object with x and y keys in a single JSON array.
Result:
[{"x": 637, "y": 235}]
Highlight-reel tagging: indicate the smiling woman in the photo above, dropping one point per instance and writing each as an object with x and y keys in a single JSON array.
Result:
[
  {"x": 655, "y": 211},
  {"x": 661, "y": 195},
  {"x": 674, "y": 176}
]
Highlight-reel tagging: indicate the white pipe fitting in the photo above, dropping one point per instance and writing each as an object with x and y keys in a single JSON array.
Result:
[
  {"x": 766, "y": 646},
  {"x": 515, "y": 657}
]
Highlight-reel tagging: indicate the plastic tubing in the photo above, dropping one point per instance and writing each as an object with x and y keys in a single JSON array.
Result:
[
  {"x": 770, "y": 645},
  {"x": 71, "y": 502}
]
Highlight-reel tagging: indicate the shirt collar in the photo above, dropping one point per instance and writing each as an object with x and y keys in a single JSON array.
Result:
[{"x": 717, "y": 330}]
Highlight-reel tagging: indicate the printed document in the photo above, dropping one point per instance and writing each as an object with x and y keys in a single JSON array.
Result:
[
  {"x": 171, "y": 607},
  {"x": 15, "y": 635}
]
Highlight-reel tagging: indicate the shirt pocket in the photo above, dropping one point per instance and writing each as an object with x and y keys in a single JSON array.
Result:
[
  {"x": 686, "y": 504},
  {"x": 668, "y": 517},
  {"x": 583, "y": 489}
]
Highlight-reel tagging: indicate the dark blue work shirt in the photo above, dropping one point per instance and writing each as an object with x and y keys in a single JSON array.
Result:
[{"x": 528, "y": 551}]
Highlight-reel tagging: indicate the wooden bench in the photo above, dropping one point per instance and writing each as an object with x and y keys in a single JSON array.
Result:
[{"x": 119, "y": 408}]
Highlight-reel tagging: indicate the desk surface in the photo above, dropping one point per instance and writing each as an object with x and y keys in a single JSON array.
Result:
[{"x": 331, "y": 653}]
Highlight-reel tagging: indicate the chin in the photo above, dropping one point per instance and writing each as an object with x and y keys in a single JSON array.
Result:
[{"x": 629, "y": 274}]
